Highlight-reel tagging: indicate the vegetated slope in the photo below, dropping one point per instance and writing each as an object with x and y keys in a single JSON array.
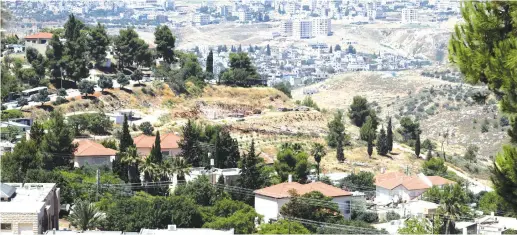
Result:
[{"x": 441, "y": 106}]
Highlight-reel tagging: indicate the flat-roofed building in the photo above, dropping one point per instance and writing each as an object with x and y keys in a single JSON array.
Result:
[{"x": 29, "y": 208}]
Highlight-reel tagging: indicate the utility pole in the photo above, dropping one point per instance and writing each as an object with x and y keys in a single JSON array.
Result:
[{"x": 98, "y": 183}]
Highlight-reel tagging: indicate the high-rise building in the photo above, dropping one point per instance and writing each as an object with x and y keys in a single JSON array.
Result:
[
  {"x": 169, "y": 4},
  {"x": 321, "y": 26},
  {"x": 302, "y": 29},
  {"x": 286, "y": 28},
  {"x": 200, "y": 19},
  {"x": 244, "y": 16},
  {"x": 409, "y": 15},
  {"x": 225, "y": 10}
]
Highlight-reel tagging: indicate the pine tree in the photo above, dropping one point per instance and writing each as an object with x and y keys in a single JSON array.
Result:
[
  {"x": 54, "y": 53},
  {"x": 417, "y": 146},
  {"x": 210, "y": 62},
  {"x": 382, "y": 144},
  {"x": 37, "y": 132},
  {"x": 99, "y": 43},
  {"x": 156, "y": 150},
  {"x": 125, "y": 140},
  {"x": 389, "y": 135},
  {"x": 164, "y": 41},
  {"x": 75, "y": 54},
  {"x": 58, "y": 142}
]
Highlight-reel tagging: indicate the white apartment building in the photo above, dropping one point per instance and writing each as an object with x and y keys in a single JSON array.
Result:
[
  {"x": 321, "y": 26},
  {"x": 302, "y": 29},
  {"x": 286, "y": 28},
  {"x": 409, "y": 15},
  {"x": 29, "y": 208},
  {"x": 200, "y": 19},
  {"x": 244, "y": 16}
]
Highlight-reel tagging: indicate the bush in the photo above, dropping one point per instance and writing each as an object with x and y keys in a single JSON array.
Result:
[
  {"x": 392, "y": 215},
  {"x": 60, "y": 100},
  {"x": 12, "y": 113},
  {"x": 503, "y": 121},
  {"x": 95, "y": 123},
  {"x": 109, "y": 143},
  {"x": 146, "y": 128},
  {"x": 484, "y": 128},
  {"x": 366, "y": 216}
]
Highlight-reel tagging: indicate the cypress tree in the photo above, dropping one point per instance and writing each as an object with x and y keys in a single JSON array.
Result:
[
  {"x": 125, "y": 139},
  {"x": 210, "y": 62},
  {"x": 389, "y": 135},
  {"x": 340, "y": 152},
  {"x": 370, "y": 147},
  {"x": 251, "y": 173},
  {"x": 382, "y": 145},
  {"x": 189, "y": 145},
  {"x": 268, "y": 50},
  {"x": 429, "y": 154},
  {"x": 417, "y": 146},
  {"x": 156, "y": 150}
]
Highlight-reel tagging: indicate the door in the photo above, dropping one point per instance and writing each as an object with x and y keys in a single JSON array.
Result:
[{"x": 25, "y": 229}]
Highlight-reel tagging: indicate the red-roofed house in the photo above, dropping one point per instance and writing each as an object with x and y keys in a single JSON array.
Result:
[
  {"x": 394, "y": 186},
  {"x": 39, "y": 38},
  {"x": 91, "y": 153},
  {"x": 169, "y": 144},
  {"x": 269, "y": 201}
]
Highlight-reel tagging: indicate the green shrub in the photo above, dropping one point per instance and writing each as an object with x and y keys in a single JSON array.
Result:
[
  {"x": 392, "y": 215},
  {"x": 366, "y": 216},
  {"x": 11, "y": 113}
]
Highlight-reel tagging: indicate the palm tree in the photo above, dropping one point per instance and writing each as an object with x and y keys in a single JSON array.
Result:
[
  {"x": 452, "y": 200},
  {"x": 318, "y": 152},
  {"x": 84, "y": 215},
  {"x": 132, "y": 158},
  {"x": 150, "y": 169},
  {"x": 181, "y": 168}
]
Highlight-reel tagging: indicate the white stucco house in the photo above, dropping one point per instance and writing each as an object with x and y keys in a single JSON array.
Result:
[
  {"x": 397, "y": 186},
  {"x": 91, "y": 153},
  {"x": 269, "y": 201}
]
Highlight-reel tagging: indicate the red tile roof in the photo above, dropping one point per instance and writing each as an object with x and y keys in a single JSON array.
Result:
[
  {"x": 40, "y": 35},
  {"x": 168, "y": 141},
  {"x": 282, "y": 190},
  {"x": 86, "y": 148},
  {"x": 392, "y": 180}
]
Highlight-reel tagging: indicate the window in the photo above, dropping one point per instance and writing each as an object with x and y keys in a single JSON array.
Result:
[
  {"x": 347, "y": 207},
  {"x": 99, "y": 160},
  {"x": 6, "y": 226}
]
